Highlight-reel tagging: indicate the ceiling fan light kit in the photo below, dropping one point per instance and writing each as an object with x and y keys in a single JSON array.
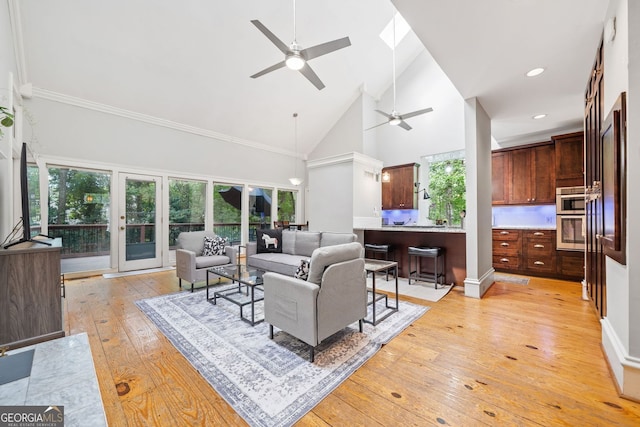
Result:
[{"x": 296, "y": 58}]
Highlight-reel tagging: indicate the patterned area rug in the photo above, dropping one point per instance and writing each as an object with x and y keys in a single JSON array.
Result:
[{"x": 268, "y": 382}]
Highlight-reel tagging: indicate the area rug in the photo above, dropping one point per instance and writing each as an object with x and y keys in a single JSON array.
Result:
[
  {"x": 508, "y": 278},
  {"x": 267, "y": 382},
  {"x": 419, "y": 289}
]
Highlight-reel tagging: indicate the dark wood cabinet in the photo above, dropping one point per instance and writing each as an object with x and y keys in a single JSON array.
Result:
[
  {"x": 524, "y": 176},
  {"x": 30, "y": 294},
  {"x": 532, "y": 175},
  {"x": 525, "y": 251},
  {"x": 399, "y": 191},
  {"x": 569, "y": 157},
  {"x": 507, "y": 249},
  {"x": 499, "y": 178},
  {"x": 539, "y": 252},
  {"x": 570, "y": 265}
]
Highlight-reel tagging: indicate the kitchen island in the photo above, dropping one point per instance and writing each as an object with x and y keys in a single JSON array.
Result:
[{"x": 452, "y": 239}]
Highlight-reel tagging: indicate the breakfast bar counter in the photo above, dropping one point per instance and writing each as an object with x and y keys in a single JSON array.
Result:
[{"x": 451, "y": 239}]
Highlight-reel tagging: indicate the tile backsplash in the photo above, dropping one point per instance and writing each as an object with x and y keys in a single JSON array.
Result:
[{"x": 524, "y": 216}]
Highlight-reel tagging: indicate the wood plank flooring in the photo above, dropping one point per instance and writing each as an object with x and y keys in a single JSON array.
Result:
[{"x": 522, "y": 356}]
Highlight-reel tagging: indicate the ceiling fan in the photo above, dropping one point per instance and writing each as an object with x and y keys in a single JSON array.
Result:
[
  {"x": 394, "y": 118},
  {"x": 296, "y": 58}
]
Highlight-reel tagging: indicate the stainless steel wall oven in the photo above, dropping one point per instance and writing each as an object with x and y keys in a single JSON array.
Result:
[{"x": 570, "y": 221}]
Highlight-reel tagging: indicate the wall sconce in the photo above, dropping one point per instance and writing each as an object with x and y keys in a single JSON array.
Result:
[
  {"x": 426, "y": 195},
  {"x": 386, "y": 177}
]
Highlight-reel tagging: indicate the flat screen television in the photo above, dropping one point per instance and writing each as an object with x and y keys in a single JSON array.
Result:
[{"x": 24, "y": 196}]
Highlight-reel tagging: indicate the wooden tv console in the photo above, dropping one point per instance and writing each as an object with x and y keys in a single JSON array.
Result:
[{"x": 30, "y": 293}]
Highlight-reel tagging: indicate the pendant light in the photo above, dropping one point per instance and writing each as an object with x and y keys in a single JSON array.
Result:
[{"x": 295, "y": 180}]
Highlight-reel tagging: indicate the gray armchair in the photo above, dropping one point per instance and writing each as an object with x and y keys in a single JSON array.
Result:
[
  {"x": 333, "y": 297},
  {"x": 191, "y": 265}
]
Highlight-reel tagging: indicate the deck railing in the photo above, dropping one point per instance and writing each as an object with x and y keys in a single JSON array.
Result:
[{"x": 85, "y": 240}]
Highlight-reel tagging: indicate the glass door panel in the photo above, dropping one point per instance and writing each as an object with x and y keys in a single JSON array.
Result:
[{"x": 139, "y": 231}]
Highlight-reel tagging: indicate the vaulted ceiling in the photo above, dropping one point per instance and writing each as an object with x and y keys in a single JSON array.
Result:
[{"x": 190, "y": 62}]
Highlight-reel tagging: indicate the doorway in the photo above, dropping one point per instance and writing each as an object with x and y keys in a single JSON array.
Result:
[{"x": 139, "y": 222}]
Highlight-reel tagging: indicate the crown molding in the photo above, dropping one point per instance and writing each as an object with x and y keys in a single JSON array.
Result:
[
  {"x": 108, "y": 109},
  {"x": 18, "y": 44}
]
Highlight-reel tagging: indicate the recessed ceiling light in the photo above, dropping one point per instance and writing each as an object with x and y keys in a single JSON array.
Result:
[
  {"x": 535, "y": 72},
  {"x": 539, "y": 116}
]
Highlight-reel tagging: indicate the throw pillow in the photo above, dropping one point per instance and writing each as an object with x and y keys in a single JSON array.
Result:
[
  {"x": 219, "y": 244},
  {"x": 302, "y": 272},
  {"x": 269, "y": 241},
  {"x": 209, "y": 246}
]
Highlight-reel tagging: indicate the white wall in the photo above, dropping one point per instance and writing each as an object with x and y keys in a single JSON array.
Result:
[
  {"x": 423, "y": 84},
  {"x": 70, "y": 132},
  {"x": 345, "y": 136},
  {"x": 7, "y": 68},
  {"x": 621, "y": 326},
  {"x": 331, "y": 197}
]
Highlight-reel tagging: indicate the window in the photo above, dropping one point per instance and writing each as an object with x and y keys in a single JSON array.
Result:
[
  {"x": 79, "y": 203},
  {"x": 259, "y": 210},
  {"x": 287, "y": 205},
  {"x": 447, "y": 187},
  {"x": 33, "y": 184},
  {"x": 227, "y": 211},
  {"x": 187, "y": 201}
]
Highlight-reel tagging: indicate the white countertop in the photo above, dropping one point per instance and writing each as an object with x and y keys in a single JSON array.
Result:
[
  {"x": 524, "y": 227},
  {"x": 417, "y": 228}
]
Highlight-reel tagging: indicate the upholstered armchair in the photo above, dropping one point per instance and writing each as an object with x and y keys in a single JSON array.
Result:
[
  {"x": 191, "y": 264},
  {"x": 333, "y": 296}
]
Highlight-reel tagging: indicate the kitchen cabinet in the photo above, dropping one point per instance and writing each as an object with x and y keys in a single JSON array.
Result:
[
  {"x": 532, "y": 175},
  {"x": 569, "y": 158},
  {"x": 539, "y": 252},
  {"x": 570, "y": 265},
  {"x": 398, "y": 191},
  {"x": 529, "y": 252},
  {"x": 499, "y": 178},
  {"x": 507, "y": 249}
]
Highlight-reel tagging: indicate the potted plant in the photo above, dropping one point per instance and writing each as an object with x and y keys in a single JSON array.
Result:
[{"x": 6, "y": 119}]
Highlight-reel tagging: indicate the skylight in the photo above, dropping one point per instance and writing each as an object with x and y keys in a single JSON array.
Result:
[{"x": 402, "y": 28}]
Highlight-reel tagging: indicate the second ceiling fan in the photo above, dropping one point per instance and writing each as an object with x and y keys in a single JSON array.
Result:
[
  {"x": 394, "y": 118},
  {"x": 297, "y": 58}
]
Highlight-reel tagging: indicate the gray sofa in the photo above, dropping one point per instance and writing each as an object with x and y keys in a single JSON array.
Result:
[
  {"x": 296, "y": 246},
  {"x": 333, "y": 297},
  {"x": 191, "y": 265}
]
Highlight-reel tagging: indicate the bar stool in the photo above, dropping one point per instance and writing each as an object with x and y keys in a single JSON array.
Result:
[
  {"x": 374, "y": 249},
  {"x": 437, "y": 255}
]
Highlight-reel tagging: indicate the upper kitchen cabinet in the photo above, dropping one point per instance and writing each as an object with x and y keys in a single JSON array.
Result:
[
  {"x": 569, "y": 159},
  {"x": 499, "y": 178},
  {"x": 398, "y": 187},
  {"x": 532, "y": 177}
]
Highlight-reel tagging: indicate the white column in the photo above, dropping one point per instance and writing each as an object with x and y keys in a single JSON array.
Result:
[{"x": 478, "y": 221}]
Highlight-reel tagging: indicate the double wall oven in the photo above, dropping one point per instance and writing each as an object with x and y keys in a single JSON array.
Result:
[{"x": 570, "y": 221}]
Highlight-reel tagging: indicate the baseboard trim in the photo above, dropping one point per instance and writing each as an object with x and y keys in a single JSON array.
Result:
[
  {"x": 476, "y": 288},
  {"x": 625, "y": 368}
]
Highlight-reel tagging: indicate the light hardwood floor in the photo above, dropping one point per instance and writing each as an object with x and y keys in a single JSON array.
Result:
[{"x": 522, "y": 355}]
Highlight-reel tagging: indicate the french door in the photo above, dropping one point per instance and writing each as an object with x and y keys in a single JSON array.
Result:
[{"x": 139, "y": 222}]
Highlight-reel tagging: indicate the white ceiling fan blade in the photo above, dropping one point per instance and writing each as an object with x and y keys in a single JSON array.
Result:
[
  {"x": 312, "y": 76},
  {"x": 268, "y": 69},
  {"x": 275, "y": 40},
  {"x": 416, "y": 113},
  {"x": 372, "y": 127},
  {"x": 388, "y": 116},
  {"x": 404, "y": 125},
  {"x": 324, "y": 48}
]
